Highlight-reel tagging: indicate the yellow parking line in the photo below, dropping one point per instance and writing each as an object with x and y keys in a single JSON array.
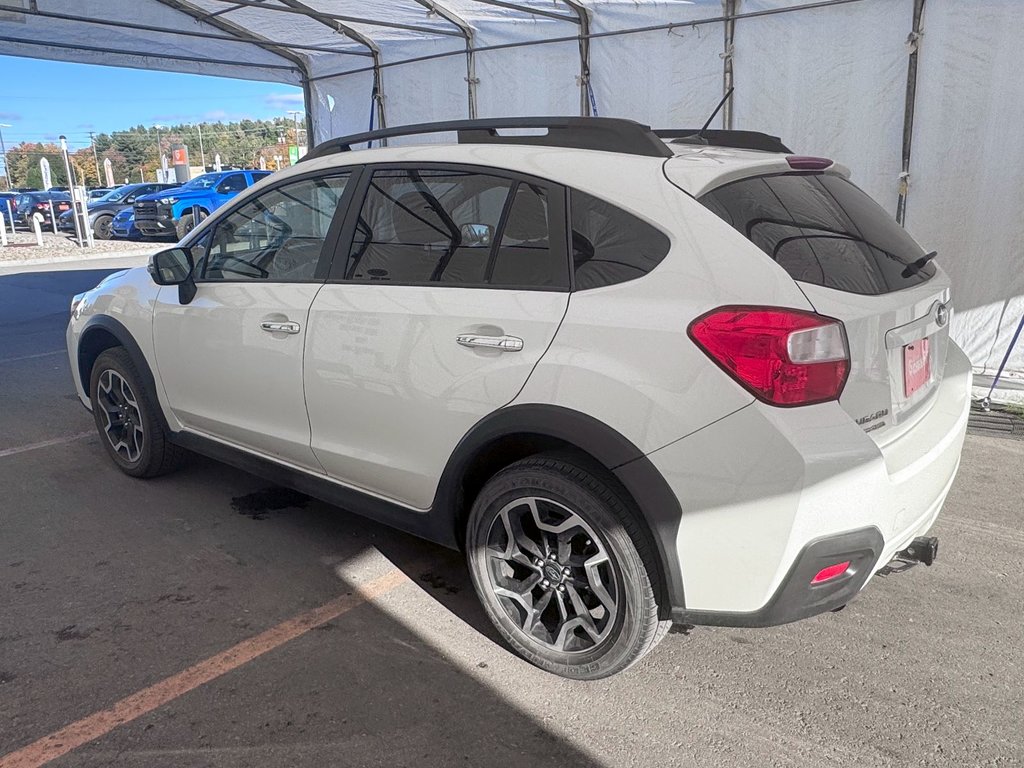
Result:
[{"x": 143, "y": 702}]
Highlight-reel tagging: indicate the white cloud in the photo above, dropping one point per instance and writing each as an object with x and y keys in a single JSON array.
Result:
[{"x": 284, "y": 100}]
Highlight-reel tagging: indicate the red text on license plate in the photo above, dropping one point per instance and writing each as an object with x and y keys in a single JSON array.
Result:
[{"x": 916, "y": 366}]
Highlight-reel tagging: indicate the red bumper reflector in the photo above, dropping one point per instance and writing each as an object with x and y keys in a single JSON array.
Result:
[{"x": 833, "y": 571}]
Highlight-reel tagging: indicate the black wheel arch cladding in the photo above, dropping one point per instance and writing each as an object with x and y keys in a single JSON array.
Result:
[{"x": 626, "y": 463}]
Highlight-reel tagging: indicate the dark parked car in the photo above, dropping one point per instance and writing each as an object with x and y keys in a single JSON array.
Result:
[
  {"x": 39, "y": 204},
  {"x": 102, "y": 210}
]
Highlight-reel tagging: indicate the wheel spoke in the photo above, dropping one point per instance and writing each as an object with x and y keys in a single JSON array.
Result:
[{"x": 553, "y": 574}]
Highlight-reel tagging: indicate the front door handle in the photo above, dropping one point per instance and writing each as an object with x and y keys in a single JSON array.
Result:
[
  {"x": 501, "y": 343},
  {"x": 277, "y": 327}
]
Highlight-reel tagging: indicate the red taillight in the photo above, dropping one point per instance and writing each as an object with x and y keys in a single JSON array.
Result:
[
  {"x": 784, "y": 357},
  {"x": 804, "y": 163},
  {"x": 832, "y": 572}
]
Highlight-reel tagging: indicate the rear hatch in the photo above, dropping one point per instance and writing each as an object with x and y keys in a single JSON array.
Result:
[{"x": 856, "y": 264}]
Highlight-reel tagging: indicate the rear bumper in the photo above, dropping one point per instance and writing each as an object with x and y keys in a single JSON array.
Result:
[
  {"x": 797, "y": 598},
  {"x": 766, "y": 493}
]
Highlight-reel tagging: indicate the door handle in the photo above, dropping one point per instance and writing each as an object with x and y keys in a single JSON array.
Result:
[
  {"x": 276, "y": 327},
  {"x": 501, "y": 343}
]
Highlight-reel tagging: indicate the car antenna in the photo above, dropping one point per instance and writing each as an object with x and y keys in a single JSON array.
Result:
[{"x": 704, "y": 128}]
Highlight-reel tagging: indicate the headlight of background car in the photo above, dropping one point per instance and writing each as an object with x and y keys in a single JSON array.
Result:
[{"x": 167, "y": 200}]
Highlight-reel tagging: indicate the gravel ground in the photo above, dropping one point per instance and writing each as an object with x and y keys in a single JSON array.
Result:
[{"x": 22, "y": 247}]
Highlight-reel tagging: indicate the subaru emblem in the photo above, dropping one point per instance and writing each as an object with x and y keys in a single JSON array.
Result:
[{"x": 941, "y": 315}]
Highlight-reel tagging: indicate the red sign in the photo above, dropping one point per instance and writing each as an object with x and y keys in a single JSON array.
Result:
[
  {"x": 916, "y": 366},
  {"x": 179, "y": 156}
]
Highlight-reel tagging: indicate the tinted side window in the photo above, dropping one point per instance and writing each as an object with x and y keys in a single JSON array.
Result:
[
  {"x": 445, "y": 226},
  {"x": 523, "y": 256},
  {"x": 234, "y": 183},
  {"x": 277, "y": 235},
  {"x": 823, "y": 230},
  {"x": 610, "y": 245}
]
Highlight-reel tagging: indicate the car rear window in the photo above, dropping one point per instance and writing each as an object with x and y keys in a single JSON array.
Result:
[{"x": 822, "y": 230}]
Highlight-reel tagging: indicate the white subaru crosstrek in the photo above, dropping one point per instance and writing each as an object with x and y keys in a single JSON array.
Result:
[{"x": 640, "y": 377}]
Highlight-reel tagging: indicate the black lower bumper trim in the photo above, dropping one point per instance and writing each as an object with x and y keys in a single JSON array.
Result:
[{"x": 796, "y": 598}]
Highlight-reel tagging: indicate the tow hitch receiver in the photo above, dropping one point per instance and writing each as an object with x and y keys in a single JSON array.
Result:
[{"x": 923, "y": 549}]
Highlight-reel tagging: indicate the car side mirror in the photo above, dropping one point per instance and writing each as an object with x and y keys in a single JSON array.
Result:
[
  {"x": 476, "y": 234},
  {"x": 174, "y": 267},
  {"x": 130, "y": 199}
]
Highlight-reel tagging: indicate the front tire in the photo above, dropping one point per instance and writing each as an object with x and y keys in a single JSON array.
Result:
[
  {"x": 187, "y": 223},
  {"x": 564, "y": 568},
  {"x": 127, "y": 420}
]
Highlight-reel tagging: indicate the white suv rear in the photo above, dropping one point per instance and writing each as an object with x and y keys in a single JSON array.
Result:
[{"x": 639, "y": 380}]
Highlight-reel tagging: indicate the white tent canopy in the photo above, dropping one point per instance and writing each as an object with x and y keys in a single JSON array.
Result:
[{"x": 923, "y": 99}]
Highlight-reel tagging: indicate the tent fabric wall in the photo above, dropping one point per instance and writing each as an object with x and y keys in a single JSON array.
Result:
[
  {"x": 830, "y": 81},
  {"x": 828, "y": 76},
  {"x": 966, "y": 195},
  {"x": 665, "y": 78}
]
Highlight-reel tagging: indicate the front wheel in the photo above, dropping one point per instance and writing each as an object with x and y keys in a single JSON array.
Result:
[
  {"x": 564, "y": 568},
  {"x": 187, "y": 223},
  {"x": 131, "y": 431}
]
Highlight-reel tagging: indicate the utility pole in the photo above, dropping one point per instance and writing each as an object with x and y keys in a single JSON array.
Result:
[
  {"x": 295, "y": 117},
  {"x": 3, "y": 150},
  {"x": 95, "y": 159},
  {"x": 202, "y": 152}
]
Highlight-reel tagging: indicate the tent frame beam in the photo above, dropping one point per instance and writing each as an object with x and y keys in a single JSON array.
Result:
[
  {"x": 184, "y": 6},
  {"x": 377, "y": 95},
  {"x": 238, "y": 4},
  {"x": 527, "y": 9},
  {"x": 908, "y": 113},
  {"x": 466, "y": 30},
  {"x": 583, "y": 19},
  {"x": 280, "y": 48},
  {"x": 598, "y": 35},
  {"x": 151, "y": 55}
]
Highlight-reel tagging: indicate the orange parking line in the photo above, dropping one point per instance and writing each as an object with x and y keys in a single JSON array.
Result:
[{"x": 148, "y": 699}]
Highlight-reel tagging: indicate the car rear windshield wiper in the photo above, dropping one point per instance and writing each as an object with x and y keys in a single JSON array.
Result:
[{"x": 916, "y": 266}]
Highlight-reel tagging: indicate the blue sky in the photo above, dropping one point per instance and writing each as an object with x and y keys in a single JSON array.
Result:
[{"x": 42, "y": 99}]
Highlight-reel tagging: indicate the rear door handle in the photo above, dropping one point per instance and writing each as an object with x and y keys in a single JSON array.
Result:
[
  {"x": 278, "y": 327},
  {"x": 501, "y": 343}
]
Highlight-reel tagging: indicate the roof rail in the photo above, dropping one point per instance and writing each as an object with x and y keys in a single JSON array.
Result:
[
  {"x": 720, "y": 138},
  {"x": 610, "y": 134}
]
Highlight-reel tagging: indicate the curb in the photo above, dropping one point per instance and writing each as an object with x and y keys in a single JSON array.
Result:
[{"x": 78, "y": 257}]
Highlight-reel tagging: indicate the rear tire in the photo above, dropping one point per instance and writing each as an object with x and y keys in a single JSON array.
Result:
[
  {"x": 564, "y": 568},
  {"x": 126, "y": 417},
  {"x": 101, "y": 228}
]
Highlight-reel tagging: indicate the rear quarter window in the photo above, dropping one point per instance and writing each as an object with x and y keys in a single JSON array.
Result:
[
  {"x": 824, "y": 230},
  {"x": 610, "y": 245}
]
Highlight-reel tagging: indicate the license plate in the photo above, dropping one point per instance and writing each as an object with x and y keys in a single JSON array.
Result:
[
  {"x": 916, "y": 366},
  {"x": 63, "y": 208}
]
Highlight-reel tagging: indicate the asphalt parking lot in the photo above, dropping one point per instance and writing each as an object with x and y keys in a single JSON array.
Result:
[{"x": 205, "y": 619}]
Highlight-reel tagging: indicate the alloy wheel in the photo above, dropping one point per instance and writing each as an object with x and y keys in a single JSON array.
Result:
[
  {"x": 552, "y": 574},
  {"x": 120, "y": 409}
]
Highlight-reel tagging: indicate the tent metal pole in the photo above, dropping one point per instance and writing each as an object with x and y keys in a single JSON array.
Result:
[
  {"x": 596, "y": 35},
  {"x": 150, "y": 55},
  {"x": 729, "y": 11},
  {"x": 332, "y": 23},
  {"x": 529, "y": 10},
  {"x": 467, "y": 33},
  {"x": 198, "y": 16},
  {"x": 584, "y": 21},
  {"x": 914, "y": 40},
  {"x": 290, "y": 8}
]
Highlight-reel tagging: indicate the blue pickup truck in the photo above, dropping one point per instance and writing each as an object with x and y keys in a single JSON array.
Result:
[{"x": 170, "y": 212}]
